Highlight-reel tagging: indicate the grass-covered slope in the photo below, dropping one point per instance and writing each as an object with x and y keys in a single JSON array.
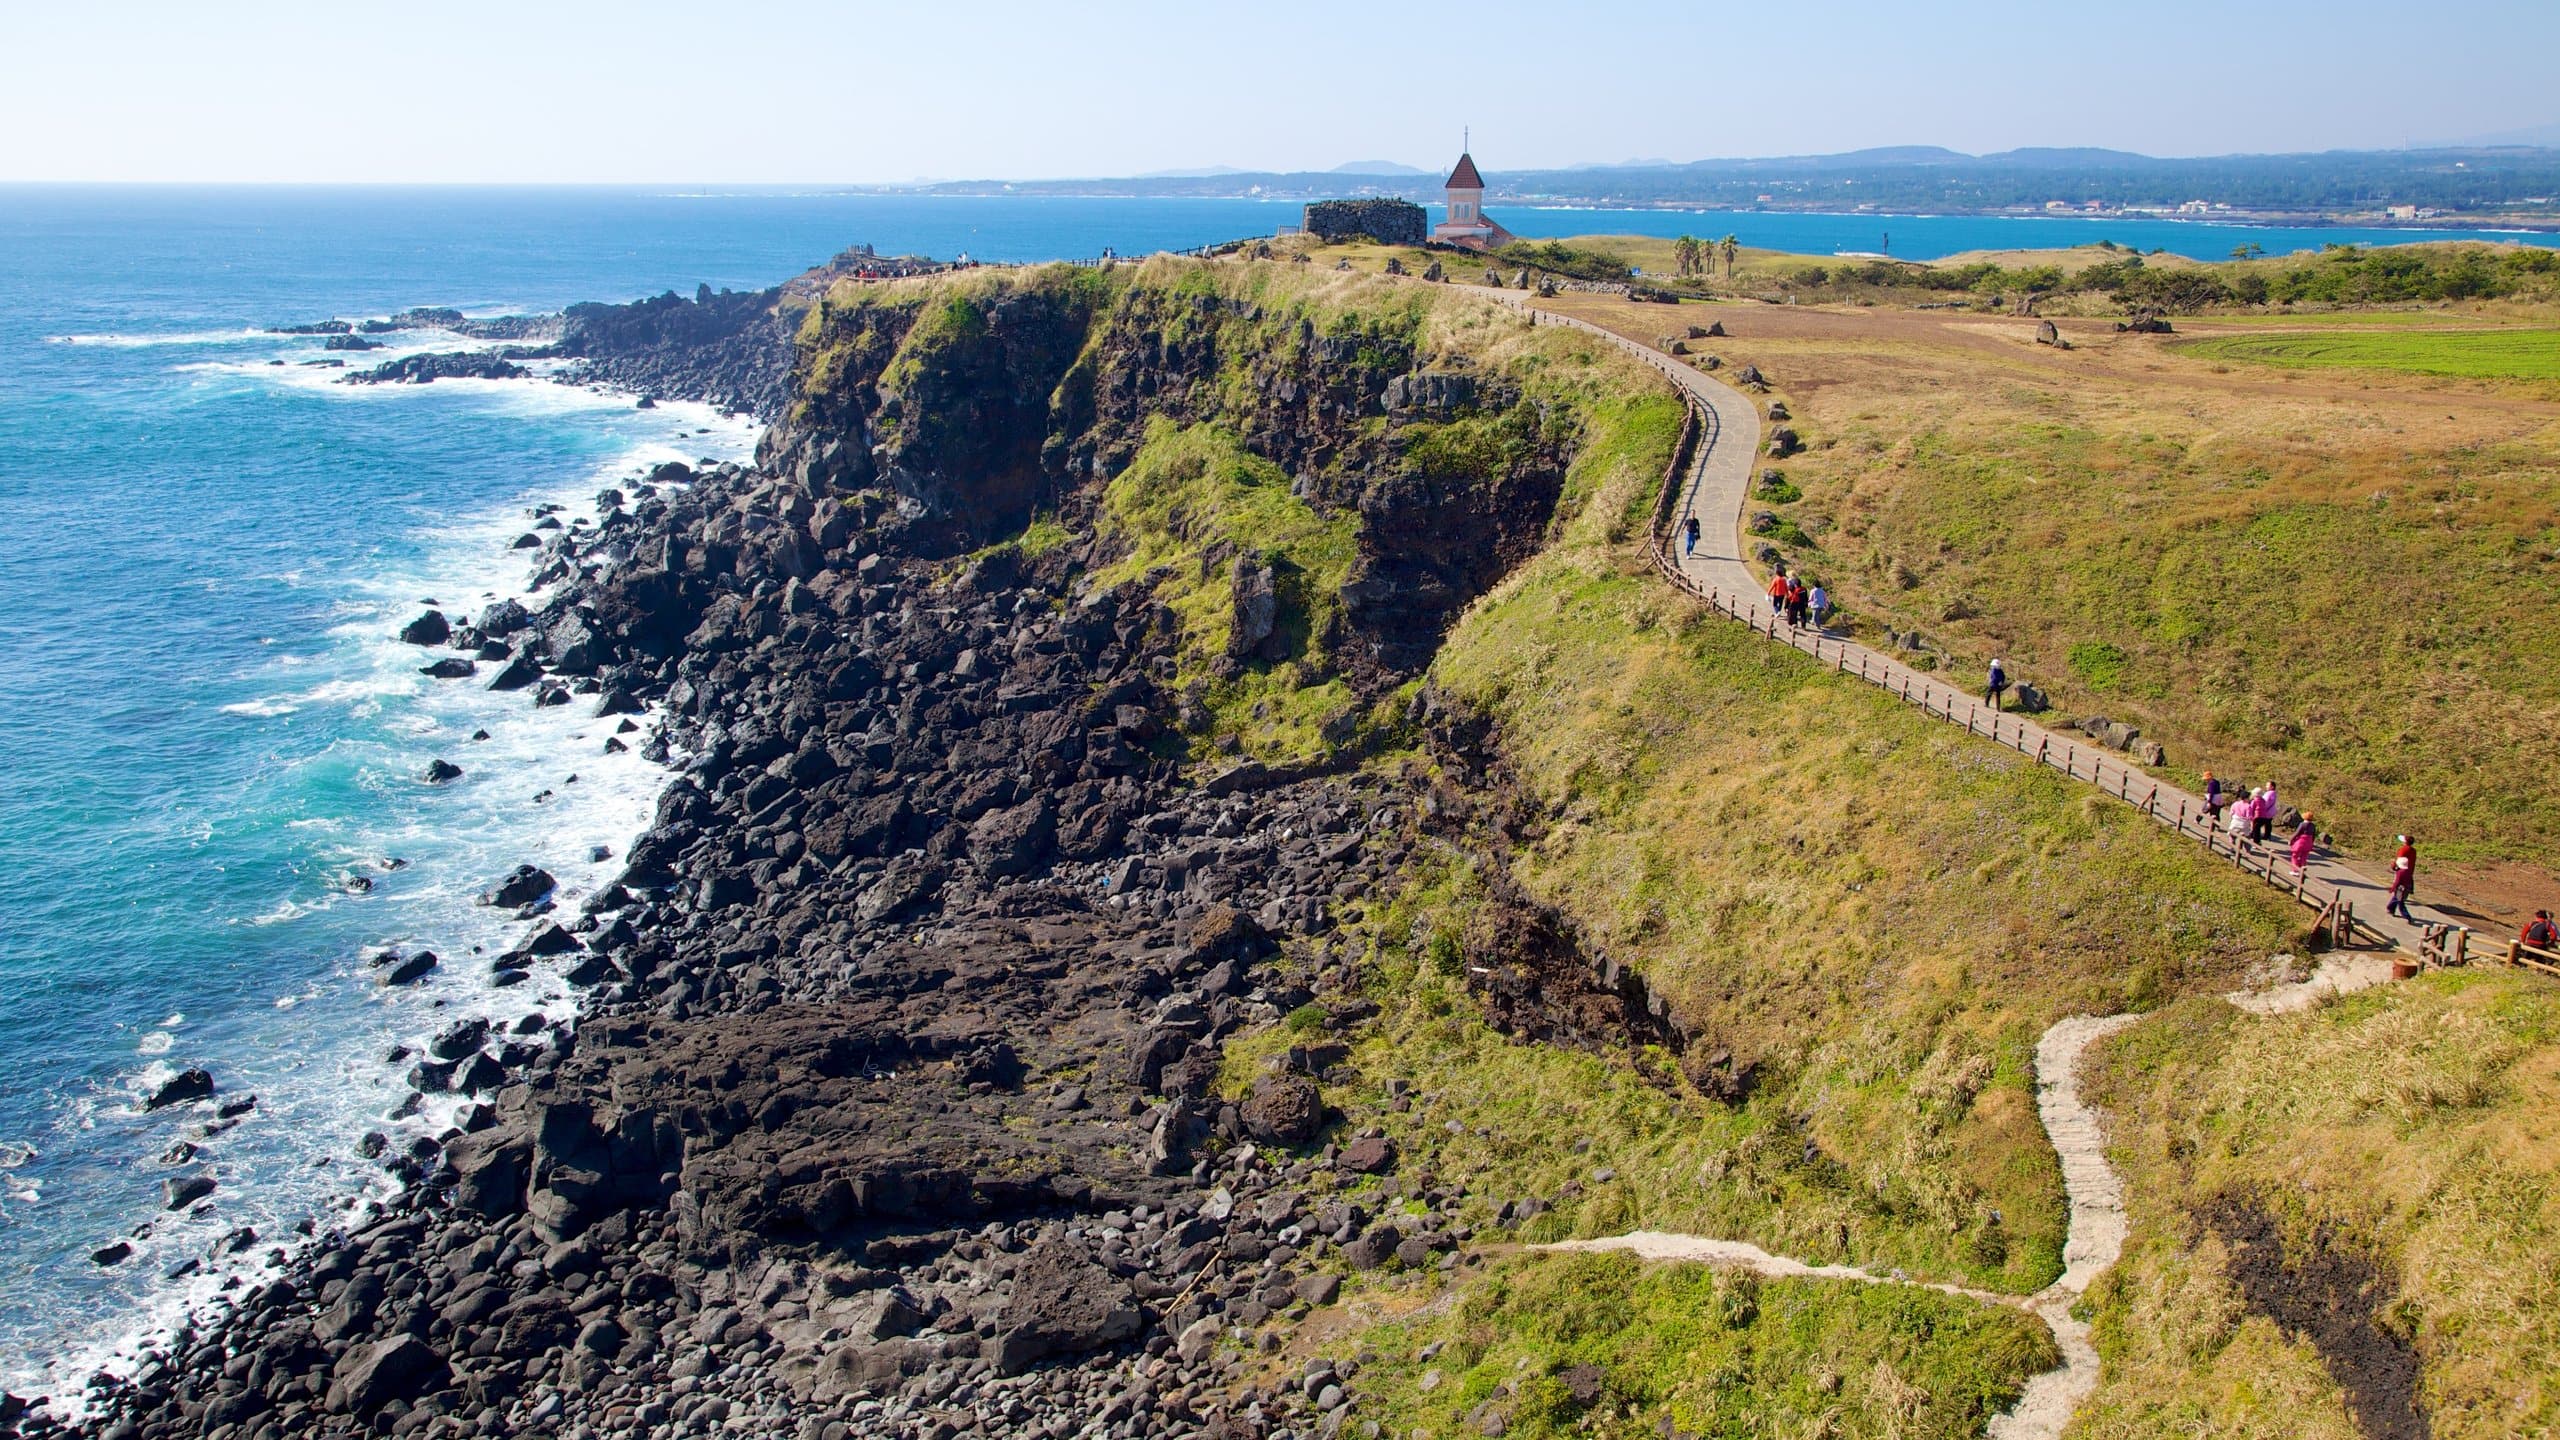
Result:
[
  {"x": 1603, "y": 1344},
  {"x": 1860, "y": 918},
  {"x": 2348, "y": 1212},
  {"x": 1870, "y": 915}
]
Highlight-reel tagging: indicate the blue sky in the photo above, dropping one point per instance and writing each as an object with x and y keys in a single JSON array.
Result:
[{"x": 786, "y": 91}]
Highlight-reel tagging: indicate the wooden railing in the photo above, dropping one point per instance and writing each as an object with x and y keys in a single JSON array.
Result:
[
  {"x": 2336, "y": 909},
  {"x": 2457, "y": 944}
]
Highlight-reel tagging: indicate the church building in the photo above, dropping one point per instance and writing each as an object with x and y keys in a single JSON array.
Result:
[{"x": 1467, "y": 224}]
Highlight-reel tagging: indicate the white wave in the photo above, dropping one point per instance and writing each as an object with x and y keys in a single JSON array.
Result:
[
  {"x": 260, "y": 708},
  {"x": 14, "y": 1153},
  {"x": 176, "y": 1019},
  {"x": 181, "y": 337},
  {"x": 289, "y": 910},
  {"x": 330, "y": 1083},
  {"x": 158, "y": 1042}
]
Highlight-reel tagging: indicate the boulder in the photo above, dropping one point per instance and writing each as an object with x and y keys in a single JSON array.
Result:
[
  {"x": 1284, "y": 1110},
  {"x": 462, "y": 1037},
  {"x": 502, "y": 619},
  {"x": 2047, "y": 334},
  {"x": 428, "y": 629},
  {"x": 1372, "y": 1155},
  {"x": 369, "y": 1376},
  {"x": 522, "y": 886},
  {"x": 549, "y": 940},
  {"x": 179, "y": 1089},
  {"x": 439, "y": 771},
  {"x": 519, "y": 672},
  {"x": 909, "y": 880},
  {"x": 1012, "y": 841},
  {"x": 1062, "y": 1304},
  {"x": 405, "y": 969},
  {"x": 1256, "y": 594},
  {"x": 1373, "y": 1249},
  {"x": 180, "y": 1191},
  {"x": 492, "y": 1166}
]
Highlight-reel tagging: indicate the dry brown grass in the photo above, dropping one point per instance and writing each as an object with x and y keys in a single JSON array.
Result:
[
  {"x": 2343, "y": 581},
  {"x": 2419, "y": 1120}
]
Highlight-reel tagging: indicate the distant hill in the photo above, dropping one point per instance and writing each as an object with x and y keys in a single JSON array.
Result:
[{"x": 2455, "y": 179}]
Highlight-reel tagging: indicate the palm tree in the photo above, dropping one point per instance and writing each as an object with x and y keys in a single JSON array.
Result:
[
  {"x": 1731, "y": 249},
  {"x": 1684, "y": 254}
]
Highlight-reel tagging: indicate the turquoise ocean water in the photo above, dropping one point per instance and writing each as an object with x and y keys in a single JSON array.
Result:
[{"x": 206, "y": 729}]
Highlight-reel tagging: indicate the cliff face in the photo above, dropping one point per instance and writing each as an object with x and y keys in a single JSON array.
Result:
[{"x": 987, "y": 401}]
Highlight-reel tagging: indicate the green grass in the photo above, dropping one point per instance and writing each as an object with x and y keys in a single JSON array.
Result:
[
  {"x": 1194, "y": 501},
  {"x": 1709, "y": 1353},
  {"x": 2466, "y": 354},
  {"x": 2343, "y": 319}
]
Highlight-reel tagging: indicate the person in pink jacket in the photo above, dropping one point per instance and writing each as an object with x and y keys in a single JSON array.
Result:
[{"x": 2304, "y": 837}]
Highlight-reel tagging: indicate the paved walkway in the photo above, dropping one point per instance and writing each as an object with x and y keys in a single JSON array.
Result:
[{"x": 1717, "y": 488}]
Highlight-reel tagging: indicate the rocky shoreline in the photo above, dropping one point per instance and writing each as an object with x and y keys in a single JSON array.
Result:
[{"x": 895, "y": 1105}]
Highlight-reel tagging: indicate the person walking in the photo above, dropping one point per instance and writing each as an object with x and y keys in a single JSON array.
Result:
[
  {"x": 2244, "y": 817},
  {"x": 2212, "y": 795},
  {"x": 2304, "y": 838},
  {"x": 1995, "y": 686},
  {"x": 1795, "y": 601},
  {"x": 1778, "y": 594},
  {"x": 2262, "y": 813},
  {"x": 2540, "y": 932},
  {"x": 1689, "y": 537},
  {"x": 1818, "y": 603},
  {"x": 2404, "y": 878}
]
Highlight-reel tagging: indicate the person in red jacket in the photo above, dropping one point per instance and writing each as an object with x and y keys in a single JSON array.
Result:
[
  {"x": 2540, "y": 933},
  {"x": 2404, "y": 878},
  {"x": 1778, "y": 594}
]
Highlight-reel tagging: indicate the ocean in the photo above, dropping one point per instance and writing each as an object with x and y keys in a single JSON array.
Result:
[{"x": 211, "y": 735}]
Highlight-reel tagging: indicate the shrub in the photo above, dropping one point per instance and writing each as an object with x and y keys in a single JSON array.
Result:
[{"x": 2098, "y": 663}]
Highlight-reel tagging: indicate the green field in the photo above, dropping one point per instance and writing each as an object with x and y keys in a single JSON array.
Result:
[
  {"x": 2437, "y": 319},
  {"x": 2466, "y": 354}
]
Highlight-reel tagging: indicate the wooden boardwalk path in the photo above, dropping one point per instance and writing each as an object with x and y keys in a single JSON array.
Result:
[{"x": 1715, "y": 489}]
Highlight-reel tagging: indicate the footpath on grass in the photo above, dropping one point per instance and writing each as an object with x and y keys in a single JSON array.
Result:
[{"x": 1714, "y": 491}]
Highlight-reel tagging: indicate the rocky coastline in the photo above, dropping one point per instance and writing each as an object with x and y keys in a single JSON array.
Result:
[{"x": 896, "y": 1103}]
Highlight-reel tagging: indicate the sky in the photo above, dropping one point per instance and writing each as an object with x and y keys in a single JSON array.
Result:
[{"x": 807, "y": 92}]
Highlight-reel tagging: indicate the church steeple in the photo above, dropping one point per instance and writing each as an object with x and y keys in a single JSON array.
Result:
[{"x": 1467, "y": 224}]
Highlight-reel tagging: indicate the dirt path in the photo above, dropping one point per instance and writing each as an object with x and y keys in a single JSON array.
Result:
[
  {"x": 1717, "y": 489},
  {"x": 2091, "y": 1244},
  {"x": 2094, "y": 1239}
]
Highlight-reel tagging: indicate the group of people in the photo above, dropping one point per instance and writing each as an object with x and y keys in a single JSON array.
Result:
[
  {"x": 1792, "y": 600},
  {"x": 2249, "y": 817}
]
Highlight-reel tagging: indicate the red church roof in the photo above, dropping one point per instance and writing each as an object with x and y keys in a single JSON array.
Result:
[{"x": 1465, "y": 176}]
